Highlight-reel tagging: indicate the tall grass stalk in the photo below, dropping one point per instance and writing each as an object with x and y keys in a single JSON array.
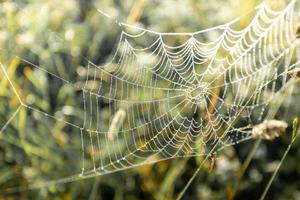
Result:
[
  {"x": 294, "y": 136},
  {"x": 287, "y": 90}
]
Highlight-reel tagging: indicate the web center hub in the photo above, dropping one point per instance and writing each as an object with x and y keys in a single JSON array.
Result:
[{"x": 197, "y": 94}]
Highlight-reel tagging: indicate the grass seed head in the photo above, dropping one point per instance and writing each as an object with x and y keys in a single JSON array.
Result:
[
  {"x": 295, "y": 73},
  {"x": 269, "y": 129}
]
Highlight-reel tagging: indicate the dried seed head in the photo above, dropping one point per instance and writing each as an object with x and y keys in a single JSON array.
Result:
[
  {"x": 269, "y": 129},
  {"x": 298, "y": 33},
  {"x": 295, "y": 72},
  {"x": 116, "y": 124}
]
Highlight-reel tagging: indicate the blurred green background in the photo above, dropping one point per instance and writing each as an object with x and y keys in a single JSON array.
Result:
[{"x": 59, "y": 34}]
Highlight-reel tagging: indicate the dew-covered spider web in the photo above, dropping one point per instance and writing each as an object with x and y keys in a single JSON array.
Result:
[{"x": 160, "y": 100}]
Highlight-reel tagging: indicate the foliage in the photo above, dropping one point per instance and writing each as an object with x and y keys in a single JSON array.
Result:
[{"x": 59, "y": 35}]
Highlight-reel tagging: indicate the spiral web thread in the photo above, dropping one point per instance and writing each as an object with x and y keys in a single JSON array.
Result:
[{"x": 166, "y": 101}]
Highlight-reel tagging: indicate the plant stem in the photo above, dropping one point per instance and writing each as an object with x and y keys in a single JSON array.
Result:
[
  {"x": 248, "y": 159},
  {"x": 274, "y": 110},
  {"x": 190, "y": 181},
  {"x": 279, "y": 165}
]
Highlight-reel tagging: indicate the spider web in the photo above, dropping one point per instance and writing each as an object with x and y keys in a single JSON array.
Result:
[{"x": 155, "y": 101}]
